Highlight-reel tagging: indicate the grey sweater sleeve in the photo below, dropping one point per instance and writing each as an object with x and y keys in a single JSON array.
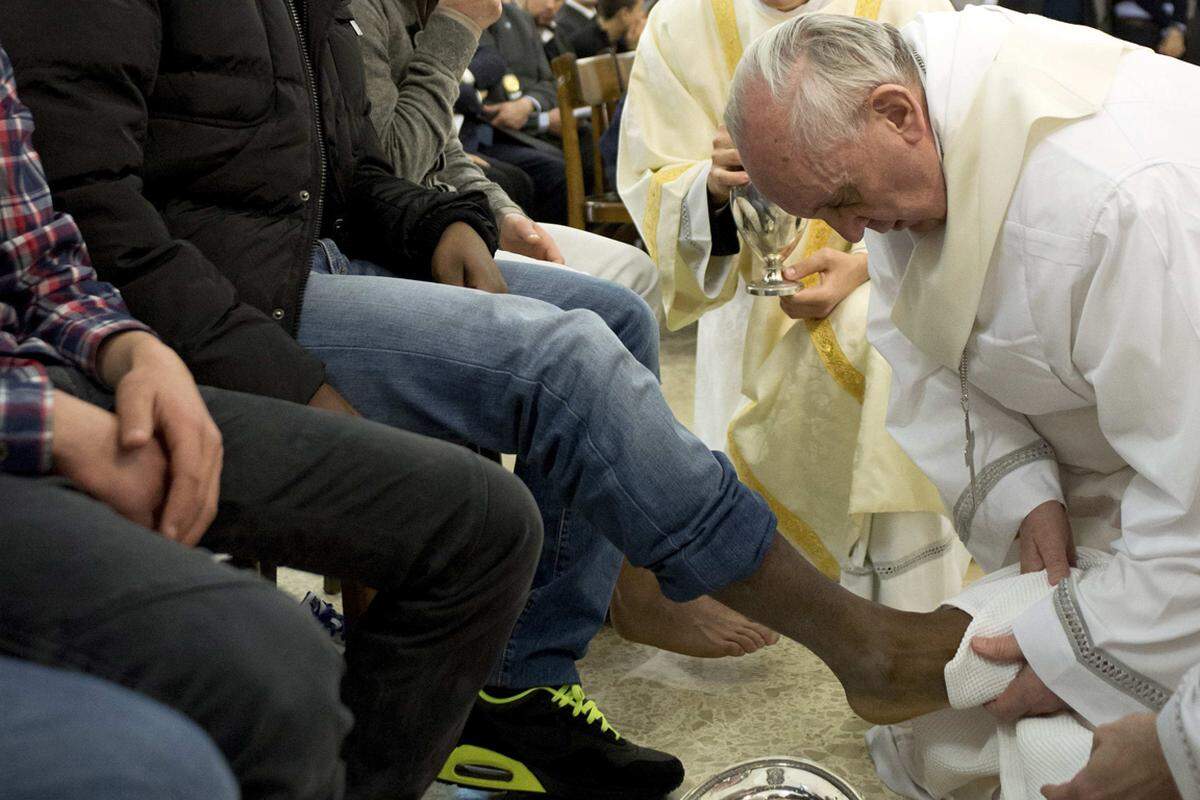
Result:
[
  {"x": 1179, "y": 735},
  {"x": 463, "y": 174},
  {"x": 414, "y": 117}
]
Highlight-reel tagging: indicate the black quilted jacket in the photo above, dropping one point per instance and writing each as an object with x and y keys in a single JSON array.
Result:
[{"x": 185, "y": 136}]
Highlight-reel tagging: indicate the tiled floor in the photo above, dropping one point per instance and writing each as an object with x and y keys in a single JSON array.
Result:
[{"x": 714, "y": 713}]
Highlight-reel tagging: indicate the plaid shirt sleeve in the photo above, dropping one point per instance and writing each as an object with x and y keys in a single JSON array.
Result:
[{"x": 53, "y": 310}]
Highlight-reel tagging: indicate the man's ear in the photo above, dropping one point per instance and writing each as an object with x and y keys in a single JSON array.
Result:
[{"x": 900, "y": 109}]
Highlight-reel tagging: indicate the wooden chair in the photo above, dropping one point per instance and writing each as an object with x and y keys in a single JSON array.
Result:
[{"x": 595, "y": 83}]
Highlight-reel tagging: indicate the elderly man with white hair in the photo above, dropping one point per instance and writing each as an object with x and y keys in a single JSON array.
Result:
[{"x": 1028, "y": 191}]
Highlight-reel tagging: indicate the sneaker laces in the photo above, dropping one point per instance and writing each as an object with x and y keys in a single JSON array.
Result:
[{"x": 572, "y": 696}]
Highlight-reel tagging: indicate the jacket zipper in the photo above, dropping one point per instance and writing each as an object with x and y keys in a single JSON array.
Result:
[{"x": 316, "y": 110}]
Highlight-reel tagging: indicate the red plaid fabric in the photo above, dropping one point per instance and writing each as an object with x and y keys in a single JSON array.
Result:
[{"x": 53, "y": 310}]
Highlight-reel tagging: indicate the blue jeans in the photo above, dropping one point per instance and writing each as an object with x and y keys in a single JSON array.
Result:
[
  {"x": 70, "y": 736},
  {"x": 563, "y": 373}
]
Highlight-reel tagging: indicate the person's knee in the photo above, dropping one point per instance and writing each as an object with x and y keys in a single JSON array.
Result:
[
  {"x": 269, "y": 688},
  {"x": 513, "y": 530},
  {"x": 629, "y": 317}
]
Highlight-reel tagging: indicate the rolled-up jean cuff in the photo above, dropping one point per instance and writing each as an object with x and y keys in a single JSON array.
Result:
[{"x": 730, "y": 547}]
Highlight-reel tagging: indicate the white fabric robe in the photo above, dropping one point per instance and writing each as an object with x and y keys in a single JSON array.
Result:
[
  {"x": 844, "y": 492},
  {"x": 1084, "y": 372},
  {"x": 1179, "y": 735}
]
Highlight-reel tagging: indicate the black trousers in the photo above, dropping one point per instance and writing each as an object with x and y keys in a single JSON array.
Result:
[{"x": 448, "y": 538}]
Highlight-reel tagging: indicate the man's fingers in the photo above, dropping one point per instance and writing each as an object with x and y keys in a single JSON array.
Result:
[
  {"x": 551, "y": 247},
  {"x": 815, "y": 303},
  {"x": 1031, "y": 557},
  {"x": 135, "y": 414},
  {"x": 1026, "y": 696},
  {"x": 208, "y": 511},
  {"x": 728, "y": 159},
  {"x": 1012, "y": 704},
  {"x": 191, "y": 465},
  {"x": 450, "y": 274},
  {"x": 1001, "y": 649},
  {"x": 730, "y": 178},
  {"x": 1063, "y": 791},
  {"x": 1057, "y": 566}
]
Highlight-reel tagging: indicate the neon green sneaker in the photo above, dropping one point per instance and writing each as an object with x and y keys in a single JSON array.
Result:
[{"x": 554, "y": 741}]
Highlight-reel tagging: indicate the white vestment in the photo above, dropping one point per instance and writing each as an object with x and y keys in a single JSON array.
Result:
[
  {"x": 1179, "y": 735},
  {"x": 1083, "y": 364},
  {"x": 809, "y": 434}
]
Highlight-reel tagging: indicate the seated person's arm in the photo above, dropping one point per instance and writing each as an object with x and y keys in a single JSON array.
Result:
[
  {"x": 62, "y": 314},
  {"x": 414, "y": 117},
  {"x": 91, "y": 107},
  {"x": 416, "y": 232}
]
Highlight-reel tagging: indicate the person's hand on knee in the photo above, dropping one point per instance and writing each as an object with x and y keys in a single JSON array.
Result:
[
  {"x": 158, "y": 404},
  {"x": 461, "y": 258},
  {"x": 519, "y": 234},
  {"x": 1127, "y": 763},
  {"x": 87, "y": 449}
]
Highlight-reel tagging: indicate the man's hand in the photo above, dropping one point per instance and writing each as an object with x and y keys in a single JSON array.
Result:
[
  {"x": 1173, "y": 43},
  {"x": 1026, "y": 696},
  {"x": 1127, "y": 763},
  {"x": 520, "y": 234},
  {"x": 87, "y": 449},
  {"x": 840, "y": 274},
  {"x": 511, "y": 115},
  {"x": 482, "y": 12},
  {"x": 157, "y": 403},
  {"x": 1046, "y": 542},
  {"x": 462, "y": 259},
  {"x": 330, "y": 399},
  {"x": 727, "y": 171}
]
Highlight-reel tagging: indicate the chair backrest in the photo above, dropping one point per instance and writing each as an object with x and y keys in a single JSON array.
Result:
[{"x": 595, "y": 83}]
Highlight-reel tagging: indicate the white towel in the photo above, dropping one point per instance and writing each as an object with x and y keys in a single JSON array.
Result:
[{"x": 962, "y": 753}]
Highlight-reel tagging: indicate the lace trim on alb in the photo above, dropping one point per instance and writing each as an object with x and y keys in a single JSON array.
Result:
[
  {"x": 890, "y": 569},
  {"x": 1106, "y": 667},
  {"x": 989, "y": 476}
]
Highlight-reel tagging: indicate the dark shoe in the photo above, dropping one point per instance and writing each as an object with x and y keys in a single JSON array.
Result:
[{"x": 555, "y": 742}]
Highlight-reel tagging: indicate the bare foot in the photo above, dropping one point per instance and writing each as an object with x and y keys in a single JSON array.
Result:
[
  {"x": 901, "y": 674},
  {"x": 704, "y": 628},
  {"x": 890, "y": 663}
]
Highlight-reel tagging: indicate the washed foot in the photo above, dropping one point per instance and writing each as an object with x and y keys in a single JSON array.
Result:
[
  {"x": 901, "y": 673},
  {"x": 704, "y": 628}
]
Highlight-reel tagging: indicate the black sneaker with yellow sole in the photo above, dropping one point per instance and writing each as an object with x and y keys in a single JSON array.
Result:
[{"x": 555, "y": 742}]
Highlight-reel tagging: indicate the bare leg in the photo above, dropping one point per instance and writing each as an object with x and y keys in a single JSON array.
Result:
[
  {"x": 890, "y": 662},
  {"x": 703, "y": 627}
]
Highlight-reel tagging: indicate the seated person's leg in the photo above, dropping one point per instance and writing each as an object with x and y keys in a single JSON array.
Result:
[
  {"x": 514, "y": 374},
  {"x": 512, "y": 179},
  {"x": 86, "y": 588},
  {"x": 702, "y": 627},
  {"x": 608, "y": 259},
  {"x": 70, "y": 736},
  {"x": 448, "y": 538},
  {"x": 547, "y": 171}
]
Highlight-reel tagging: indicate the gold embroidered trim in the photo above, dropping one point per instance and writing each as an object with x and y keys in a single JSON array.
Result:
[
  {"x": 654, "y": 205},
  {"x": 796, "y": 530},
  {"x": 821, "y": 332},
  {"x": 727, "y": 31},
  {"x": 867, "y": 9}
]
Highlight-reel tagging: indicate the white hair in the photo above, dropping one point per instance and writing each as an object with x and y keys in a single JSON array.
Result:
[{"x": 822, "y": 68}]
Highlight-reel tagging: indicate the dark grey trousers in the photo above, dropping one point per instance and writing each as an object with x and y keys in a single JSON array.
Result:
[{"x": 448, "y": 538}]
